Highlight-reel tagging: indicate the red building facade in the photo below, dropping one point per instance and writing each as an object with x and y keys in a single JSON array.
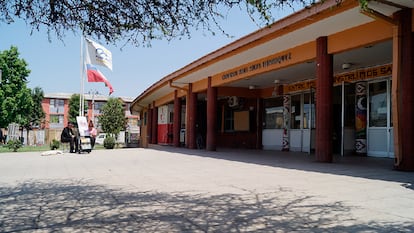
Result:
[{"x": 329, "y": 79}]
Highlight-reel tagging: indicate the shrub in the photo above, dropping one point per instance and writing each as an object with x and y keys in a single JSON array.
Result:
[
  {"x": 54, "y": 144},
  {"x": 109, "y": 142},
  {"x": 14, "y": 144}
]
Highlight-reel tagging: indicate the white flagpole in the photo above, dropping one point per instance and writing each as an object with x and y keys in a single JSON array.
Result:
[{"x": 81, "y": 75}]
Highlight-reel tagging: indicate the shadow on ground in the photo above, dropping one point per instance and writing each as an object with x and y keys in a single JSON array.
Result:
[
  {"x": 355, "y": 166},
  {"x": 79, "y": 206}
]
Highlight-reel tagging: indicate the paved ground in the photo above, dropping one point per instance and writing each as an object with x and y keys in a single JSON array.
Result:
[{"x": 167, "y": 189}]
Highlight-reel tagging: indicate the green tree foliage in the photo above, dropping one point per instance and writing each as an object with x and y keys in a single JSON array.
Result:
[
  {"x": 74, "y": 107},
  {"x": 112, "y": 119},
  {"x": 36, "y": 115},
  {"x": 364, "y": 4},
  {"x": 137, "y": 21},
  {"x": 15, "y": 98}
]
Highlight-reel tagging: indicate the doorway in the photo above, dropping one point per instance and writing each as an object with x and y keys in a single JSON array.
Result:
[
  {"x": 344, "y": 119},
  {"x": 302, "y": 122},
  {"x": 380, "y": 128}
]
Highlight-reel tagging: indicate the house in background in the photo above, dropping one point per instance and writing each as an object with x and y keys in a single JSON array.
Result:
[{"x": 56, "y": 108}]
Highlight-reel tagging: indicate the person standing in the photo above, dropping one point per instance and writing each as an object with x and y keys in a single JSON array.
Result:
[
  {"x": 92, "y": 133},
  {"x": 75, "y": 131}
]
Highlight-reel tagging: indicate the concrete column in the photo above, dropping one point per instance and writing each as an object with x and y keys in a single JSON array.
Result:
[
  {"x": 324, "y": 104},
  {"x": 176, "y": 120},
  {"x": 405, "y": 97},
  {"x": 154, "y": 126},
  {"x": 191, "y": 117},
  {"x": 211, "y": 143}
]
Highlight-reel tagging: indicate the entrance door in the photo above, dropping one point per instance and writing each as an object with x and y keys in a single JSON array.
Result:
[
  {"x": 380, "y": 131},
  {"x": 302, "y": 121},
  {"x": 344, "y": 119}
]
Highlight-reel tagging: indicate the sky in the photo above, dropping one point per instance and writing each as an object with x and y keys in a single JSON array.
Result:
[{"x": 56, "y": 67}]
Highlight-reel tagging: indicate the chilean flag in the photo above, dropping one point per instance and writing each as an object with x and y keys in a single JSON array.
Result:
[{"x": 94, "y": 75}]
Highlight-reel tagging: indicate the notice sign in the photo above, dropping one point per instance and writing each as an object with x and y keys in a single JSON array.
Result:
[{"x": 82, "y": 126}]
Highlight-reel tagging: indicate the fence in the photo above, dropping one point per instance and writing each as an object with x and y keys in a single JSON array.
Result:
[{"x": 33, "y": 137}]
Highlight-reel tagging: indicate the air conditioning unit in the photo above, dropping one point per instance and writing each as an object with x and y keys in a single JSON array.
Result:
[{"x": 233, "y": 101}]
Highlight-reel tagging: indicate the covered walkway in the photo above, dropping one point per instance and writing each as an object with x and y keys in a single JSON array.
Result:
[{"x": 351, "y": 165}]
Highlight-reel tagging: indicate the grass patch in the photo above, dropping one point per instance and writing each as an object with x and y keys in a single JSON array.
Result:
[{"x": 4, "y": 149}]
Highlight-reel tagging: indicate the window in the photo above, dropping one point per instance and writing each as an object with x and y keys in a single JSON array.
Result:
[
  {"x": 183, "y": 116},
  {"x": 378, "y": 104},
  {"x": 145, "y": 118},
  {"x": 171, "y": 118},
  {"x": 350, "y": 105},
  {"x": 228, "y": 120},
  {"x": 233, "y": 120},
  {"x": 273, "y": 113},
  {"x": 57, "y": 106},
  {"x": 56, "y": 121},
  {"x": 98, "y": 107},
  {"x": 309, "y": 111},
  {"x": 295, "y": 112}
]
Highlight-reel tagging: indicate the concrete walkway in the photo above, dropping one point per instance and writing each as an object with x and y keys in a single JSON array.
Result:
[{"x": 165, "y": 189}]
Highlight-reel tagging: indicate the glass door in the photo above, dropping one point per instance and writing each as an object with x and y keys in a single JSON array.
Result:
[
  {"x": 296, "y": 123},
  {"x": 380, "y": 132},
  {"x": 309, "y": 114},
  {"x": 302, "y": 121}
]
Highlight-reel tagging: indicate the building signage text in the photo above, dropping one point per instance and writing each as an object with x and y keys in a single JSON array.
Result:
[
  {"x": 369, "y": 73},
  {"x": 355, "y": 75},
  {"x": 257, "y": 66}
]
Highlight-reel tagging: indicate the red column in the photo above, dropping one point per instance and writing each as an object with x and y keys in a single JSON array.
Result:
[
  {"x": 406, "y": 95},
  {"x": 177, "y": 120},
  {"x": 154, "y": 127},
  {"x": 211, "y": 143},
  {"x": 324, "y": 104},
  {"x": 149, "y": 125},
  {"x": 191, "y": 116}
]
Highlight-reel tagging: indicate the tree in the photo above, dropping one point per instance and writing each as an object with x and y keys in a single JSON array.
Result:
[
  {"x": 112, "y": 119},
  {"x": 15, "y": 98},
  {"x": 74, "y": 107},
  {"x": 36, "y": 115},
  {"x": 139, "y": 21}
]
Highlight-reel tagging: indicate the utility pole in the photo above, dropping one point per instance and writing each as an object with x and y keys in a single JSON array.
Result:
[{"x": 93, "y": 92}]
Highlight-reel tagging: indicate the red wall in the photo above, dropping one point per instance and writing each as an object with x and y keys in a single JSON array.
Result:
[{"x": 165, "y": 134}]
